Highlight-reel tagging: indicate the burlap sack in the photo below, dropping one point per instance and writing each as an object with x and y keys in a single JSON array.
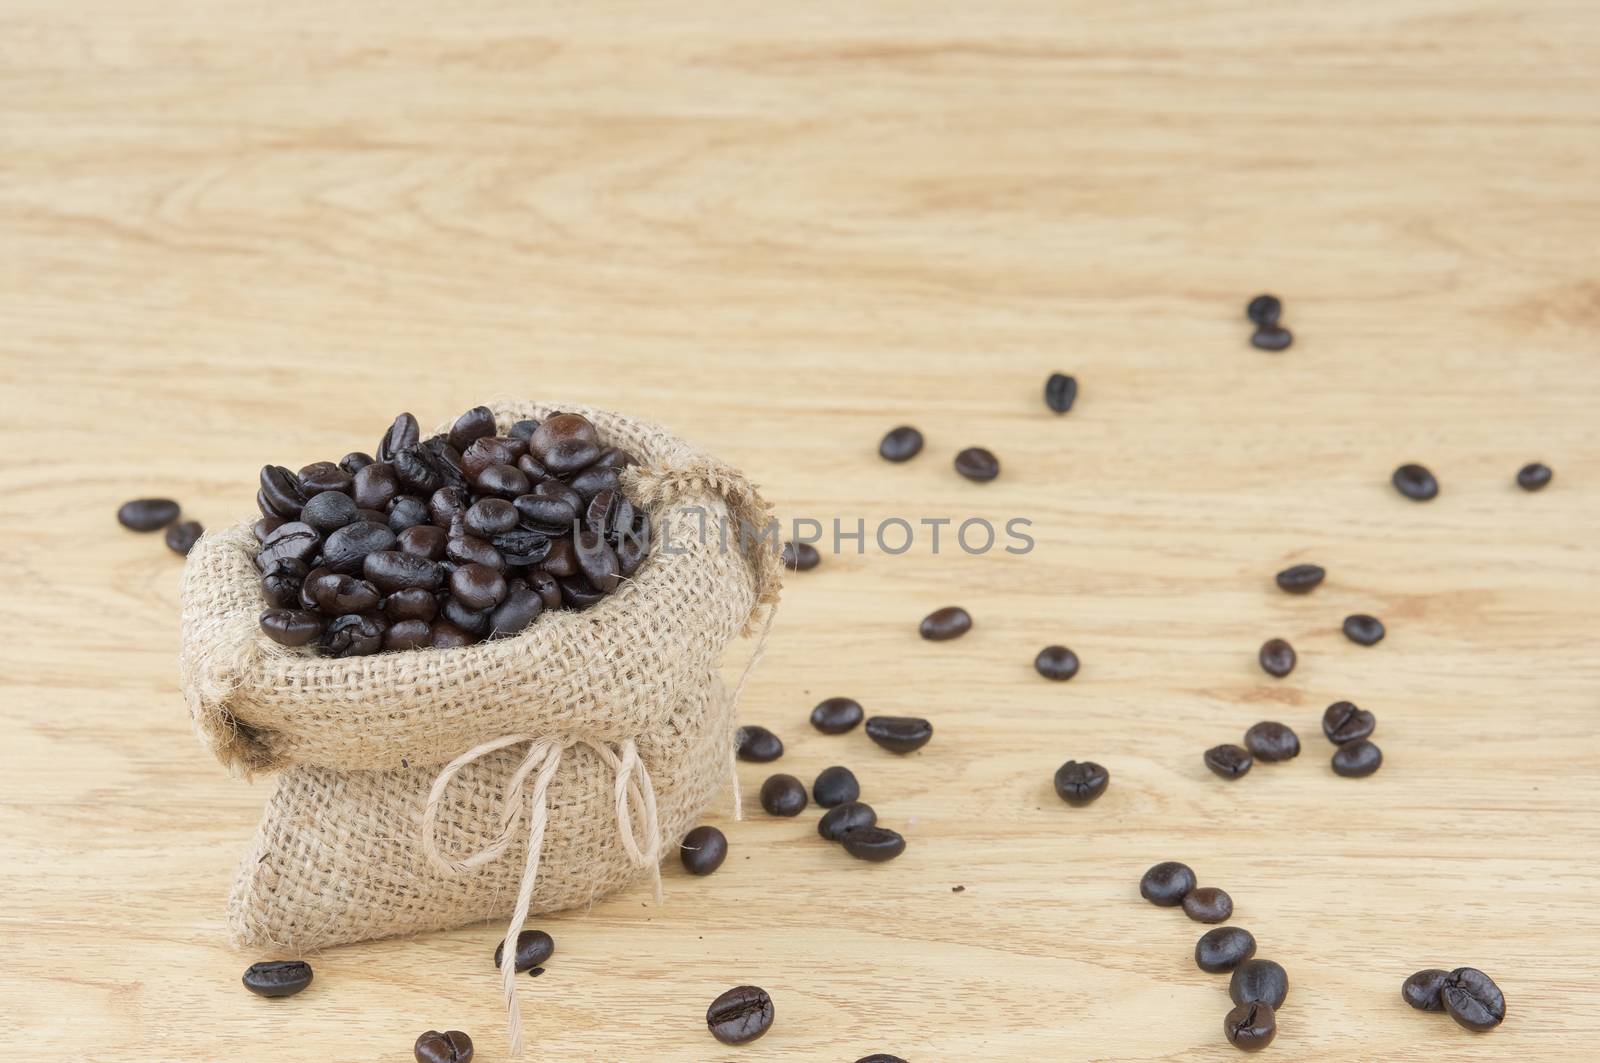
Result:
[{"x": 429, "y": 789}]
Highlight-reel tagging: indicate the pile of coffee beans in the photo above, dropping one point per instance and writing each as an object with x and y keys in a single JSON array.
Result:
[
  {"x": 154, "y": 514},
  {"x": 445, "y": 541},
  {"x": 1264, "y": 311},
  {"x": 1466, "y": 994}
]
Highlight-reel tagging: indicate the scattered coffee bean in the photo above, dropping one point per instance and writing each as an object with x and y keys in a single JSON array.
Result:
[
  {"x": 800, "y": 557},
  {"x": 1472, "y": 999},
  {"x": 1167, "y": 883},
  {"x": 1223, "y": 949},
  {"x": 1344, "y": 722},
  {"x": 1277, "y": 658},
  {"x": 1272, "y": 338},
  {"x": 901, "y": 444},
  {"x": 147, "y": 514},
  {"x": 880, "y": 1057},
  {"x": 1301, "y": 579},
  {"x": 534, "y": 947},
  {"x": 783, "y": 795},
  {"x": 1415, "y": 482},
  {"x": 873, "y": 844},
  {"x": 740, "y": 1015},
  {"x": 977, "y": 464},
  {"x": 899, "y": 734},
  {"x": 834, "y": 786},
  {"x": 835, "y": 716},
  {"x": 277, "y": 978},
  {"x": 703, "y": 850},
  {"x": 1270, "y": 742},
  {"x": 841, "y": 819},
  {"x": 1060, "y": 392},
  {"x": 452, "y": 1046},
  {"x": 1207, "y": 904},
  {"x": 1363, "y": 630},
  {"x": 1260, "y": 982},
  {"x": 1056, "y": 662},
  {"x": 1264, "y": 309},
  {"x": 941, "y": 625},
  {"x": 182, "y": 536},
  {"x": 1423, "y": 990},
  {"x": 1228, "y": 760},
  {"x": 759, "y": 745},
  {"x": 1250, "y": 1027},
  {"x": 1080, "y": 783},
  {"x": 1358, "y": 759},
  {"x": 1534, "y": 476}
]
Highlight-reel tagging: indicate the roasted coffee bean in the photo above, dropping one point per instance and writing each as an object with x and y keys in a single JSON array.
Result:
[
  {"x": 977, "y": 464},
  {"x": 478, "y": 587},
  {"x": 534, "y": 949},
  {"x": 266, "y": 526},
  {"x": 1301, "y": 579},
  {"x": 545, "y": 586},
  {"x": 328, "y": 511},
  {"x": 743, "y": 1013},
  {"x": 1364, "y": 630},
  {"x": 900, "y": 444},
  {"x": 1250, "y": 1027},
  {"x": 1260, "y": 982},
  {"x": 596, "y": 479},
  {"x": 1415, "y": 482},
  {"x": 841, "y": 819},
  {"x": 1277, "y": 658},
  {"x": 1264, "y": 310},
  {"x": 1056, "y": 662},
  {"x": 355, "y": 461},
  {"x": 1081, "y": 782},
  {"x": 834, "y": 786},
  {"x": 1270, "y": 741},
  {"x": 561, "y": 428},
  {"x": 291, "y": 627},
  {"x": 472, "y": 426},
  {"x": 948, "y": 623},
  {"x": 800, "y": 557},
  {"x": 182, "y": 536},
  {"x": 602, "y": 512},
  {"x": 407, "y": 511},
  {"x": 280, "y": 586},
  {"x": 529, "y": 466},
  {"x": 873, "y": 844},
  {"x": 277, "y": 978},
  {"x": 426, "y": 541},
  {"x": 1343, "y": 722},
  {"x": 613, "y": 458},
  {"x": 554, "y": 516},
  {"x": 561, "y": 560},
  {"x": 1207, "y": 904},
  {"x": 292, "y": 540},
  {"x": 569, "y": 457},
  {"x": 597, "y": 561},
  {"x": 347, "y": 549},
  {"x": 338, "y": 594},
  {"x": 899, "y": 734},
  {"x": 402, "y": 434},
  {"x": 783, "y": 795},
  {"x": 520, "y": 608},
  {"x": 1060, "y": 392},
  {"x": 1229, "y": 761},
  {"x": 446, "y": 636},
  {"x": 414, "y": 603},
  {"x": 503, "y": 481},
  {"x": 880, "y": 1057},
  {"x": 486, "y": 453},
  {"x": 1272, "y": 338},
  {"x": 631, "y": 553},
  {"x": 452, "y": 1046},
  {"x": 375, "y": 485},
  {"x": 474, "y": 622},
  {"x": 354, "y": 635},
  {"x": 835, "y": 716},
  {"x": 322, "y": 476},
  {"x": 471, "y": 550},
  {"x": 1167, "y": 884},
  {"x": 523, "y": 430},
  {"x": 448, "y": 505},
  {"x": 308, "y": 587},
  {"x": 282, "y": 491},
  {"x": 553, "y": 488},
  {"x": 1534, "y": 476},
  {"x": 395, "y": 570},
  {"x": 703, "y": 850},
  {"x": 757, "y": 744},
  {"x": 579, "y": 593},
  {"x": 149, "y": 514},
  {"x": 490, "y": 516},
  {"x": 1223, "y": 949},
  {"x": 408, "y": 635},
  {"x": 1358, "y": 759},
  {"x": 1424, "y": 990},
  {"x": 1472, "y": 999}
]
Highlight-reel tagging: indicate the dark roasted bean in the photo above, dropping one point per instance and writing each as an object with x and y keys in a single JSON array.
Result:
[
  {"x": 1472, "y": 999},
  {"x": 407, "y": 511},
  {"x": 631, "y": 553},
  {"x": 266, "y": 526},
  {"x": 562, "y": 559},
  {"x": 1251, "y": 1027},
  {"x": 354, "y": 635},
  {"x": 1415, "y": 482},
  {"x": 452, "y": 1046},
  {"x": 835, "y": 786},
  {"x": 1270, "y": 741},
  {"x": 1223, "y": 949},
  {"x": 1344, "y": 722},
  {"x": 534, "y": 949},
  {"x": 408, "y": 635},
  {"x": 758, "y": 744},
  {"x": 523, "y": 430},
  {"x": 474, "y": 622},
  {"x": 596, "y": 479},
  {"x": 281, "y": 583},
  {"x": 614, "y": 458},
  {"x": 347, "y": 548},
  {"x": 490, "y": 516},
  {"x": 150, "y": 514},
  {"x": 561, "y": 428},
  {"x": 322, "y": 476},
  {"x": 1229, "y": 761},
  {"x": 948, "y": 623},
  {"x": 423, "y": 540},
  {"x": 1423, "y": 990},
  {"x": 485, "y": 453},
  {"x": 414, "y": 603},
  {"x": 1056, "y": 662},
  {"x": 291, "y": 627},
  {"x": 292, "y": 540},
  {"x": 282, "y": 491},
  {"x": 1060, "y": 392},
  {"x": 743, "y": 1013},
  {"x": 874, "y": 844},
  {"x": 1167, "y": 883},
  {"x": 478, "y": 587},
  {"x": 277, "y": 978},
  {"x": 1301, "y": 579},
  {"x": 337, "y": 594},
  {"x": 182, "y": 536},
  {"x": 899, "y": 734},
  {"x": 977, "y": 464},
  {"x": 1358, "y": 759},
  {"x": 328, "y": 511},
  {"x": 375, "y": 486},
  {"x": 472, "y": 426},
  {"x": 402, "y": 434},
  {"x": 471, "y": 550},
  {"x": 703, "y": 850},
  {"x": 556, "y": 489},
  {"x": 579, "y": 593},
  {"x": 1534, "y": 476},
  {"x": 1363, "y": 630},
  {"x": 1277, "y": 658},
  {"x": 783, "y": 795},
  {"x": 900, "y": 444},
  {"x": 841, "y": 819},
  {"x": 355, "y": 461},
  {"x": 520, "y": 546},
  {"x": 503, "y": 481},
  {"x": 1081, "y": 782},
  {"x": 521, "y": 607},
  {"x": 529, "y": 466},
  {"x": 597, "y": 561},
  {"x": 835, "y": 716},
  {"x": 880, "y": 1057},
  {"x": 569, "y": 457},
  {"x": 545, "y": 586},
  {"x": 394, "y": 570},
  {"x": 1260, "y": 982},
  {"x": 308, "y": 587},
  {"x": 1264, "y": 310},
  {"x": 1207, "y": 904},
  {"x": 800, "y": 557},
  {"x": 554, "y": 516},
  {"x": 446, "y": 636},
  {"x": 603, "y": 510},
  {"x": 448, "y": 505},
  {"x": 1272, "y": 338}
]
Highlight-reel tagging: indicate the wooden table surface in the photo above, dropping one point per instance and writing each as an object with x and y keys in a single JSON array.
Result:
[{"x": 235, "y": 233}]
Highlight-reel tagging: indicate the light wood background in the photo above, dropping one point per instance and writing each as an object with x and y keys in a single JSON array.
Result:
[{"x": 240, "y": 232}]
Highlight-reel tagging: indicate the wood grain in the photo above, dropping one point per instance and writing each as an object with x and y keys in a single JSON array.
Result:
[{"x": 233, "y": 233}]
